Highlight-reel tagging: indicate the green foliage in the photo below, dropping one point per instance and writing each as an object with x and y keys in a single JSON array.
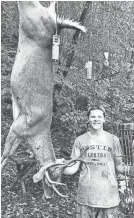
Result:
[
  {"x": 9, "y": 23},
  {"x": 75, "y": 122},
  {"x": 7, "y": 60}
]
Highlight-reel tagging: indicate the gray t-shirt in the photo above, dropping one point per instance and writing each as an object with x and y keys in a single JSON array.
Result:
[{"x": 98, "y": 186}]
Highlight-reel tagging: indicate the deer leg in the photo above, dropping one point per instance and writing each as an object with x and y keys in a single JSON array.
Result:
[
  {"x": 48, "y": 191},
  {"x": 8, "y": 145},
  {"x": 8, "y": 154},
  {"x": 18, "y": 130},
  {"x": 12, "y": 141}
]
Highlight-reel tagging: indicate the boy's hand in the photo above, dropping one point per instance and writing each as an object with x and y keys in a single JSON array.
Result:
[
  {"x": 66, "y": 161},
  {"x": 60, "y": 161}
]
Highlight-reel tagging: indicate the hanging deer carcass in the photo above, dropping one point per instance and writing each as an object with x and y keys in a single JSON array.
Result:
[{"x": 32, "y": 85}]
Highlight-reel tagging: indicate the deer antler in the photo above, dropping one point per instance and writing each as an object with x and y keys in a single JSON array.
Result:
[
  {"x": 74, "y": 160},
  {"x": 44, "y": 171}
]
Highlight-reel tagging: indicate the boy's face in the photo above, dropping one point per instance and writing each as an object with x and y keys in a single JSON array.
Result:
[{"x": 96, "y": 119}]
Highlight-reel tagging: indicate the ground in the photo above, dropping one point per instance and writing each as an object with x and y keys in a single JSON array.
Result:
[{"x": 13, "y": 204}]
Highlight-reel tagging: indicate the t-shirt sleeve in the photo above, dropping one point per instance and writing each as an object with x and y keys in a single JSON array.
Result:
[
  {"x": 117, "y": 150},
  {"x": 76, "y": 149}
]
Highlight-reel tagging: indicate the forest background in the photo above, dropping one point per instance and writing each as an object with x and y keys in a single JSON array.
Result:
[{"x": 110, "y": 27}]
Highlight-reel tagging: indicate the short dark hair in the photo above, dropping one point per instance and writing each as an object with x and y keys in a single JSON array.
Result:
[{"x": 95, "y": 107}]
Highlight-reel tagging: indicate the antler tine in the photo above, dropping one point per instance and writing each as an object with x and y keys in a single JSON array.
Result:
[
  {"x": 52, "y": 182},
  {"x": 55, "y": 189},
  {"x": 74, "y": 161},
  {"x": 77, "y": 159},
  {"x": 56, "y": 183}
]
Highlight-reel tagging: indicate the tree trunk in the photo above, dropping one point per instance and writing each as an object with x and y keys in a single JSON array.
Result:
[{"x": 70, "y": 57}]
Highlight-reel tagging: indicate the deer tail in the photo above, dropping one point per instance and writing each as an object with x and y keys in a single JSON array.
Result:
[{"x": 70, "y": 24}]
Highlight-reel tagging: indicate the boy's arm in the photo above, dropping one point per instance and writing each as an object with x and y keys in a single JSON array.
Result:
[
  {"x": 119, "y": 164},
  {"x": 73, "y": 168}
]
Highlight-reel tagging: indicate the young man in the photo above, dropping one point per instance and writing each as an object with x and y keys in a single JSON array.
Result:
[{"x": 97, "y": 194}]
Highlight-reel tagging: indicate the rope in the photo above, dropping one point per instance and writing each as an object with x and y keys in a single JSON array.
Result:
[
  {"x": 56, "y": 10},
  {"x": 91, "y": 50},
  {"x": 91, "y": 47},
  {"x": 108, "y": 26}
]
